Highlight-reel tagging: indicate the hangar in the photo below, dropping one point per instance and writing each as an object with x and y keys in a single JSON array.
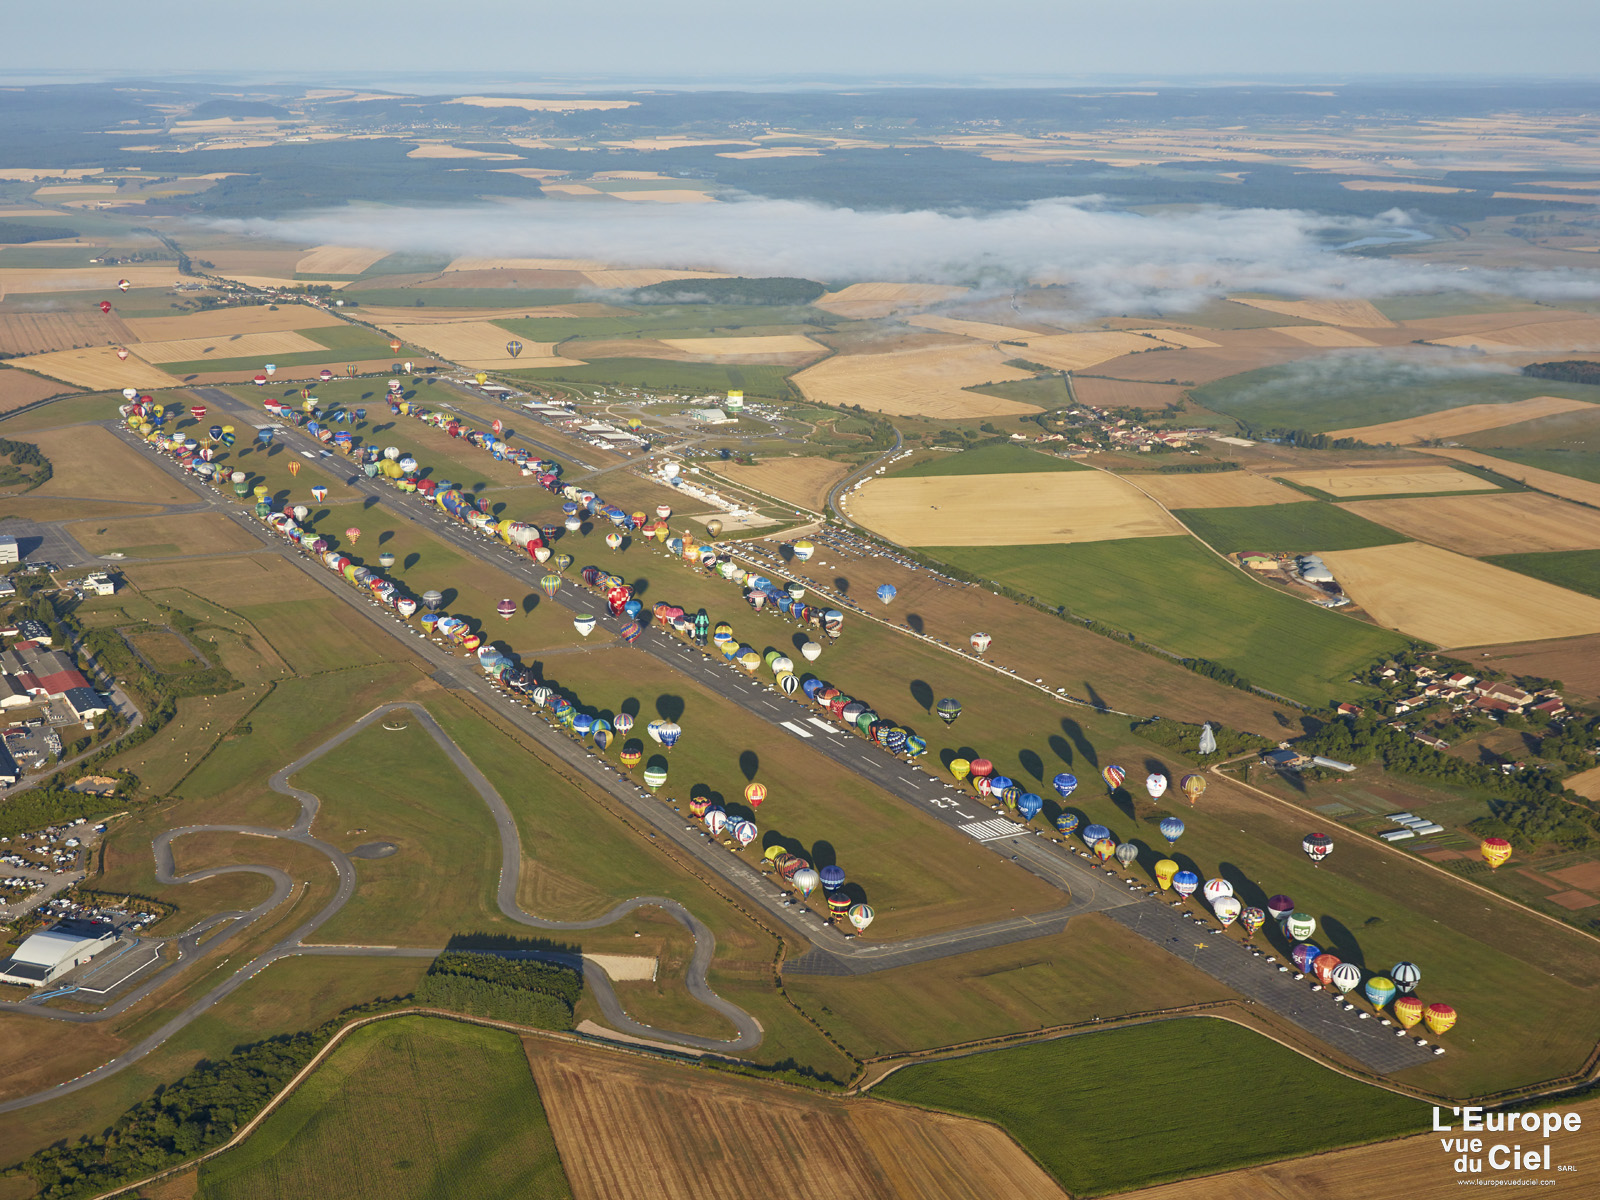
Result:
[{"x": 45, "y": 956}]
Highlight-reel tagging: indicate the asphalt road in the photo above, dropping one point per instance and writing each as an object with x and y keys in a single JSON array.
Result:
[{"x": 1365, "y": 1041}]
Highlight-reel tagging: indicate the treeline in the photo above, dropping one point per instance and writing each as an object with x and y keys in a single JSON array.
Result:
[
  {"x": 1570, "y": 371},
  {"x": 1306, "y": 440},
  {"x": 1184, "y": 738},
  {"x": 768, "y": 290},
  {"x": 19, "y": 233},
  {"x": 201, "y": 1110},
  {"x": 523, "y": 991},
  {"x": 1202, "y": 468},
  {"x": 24, "y": 454}
]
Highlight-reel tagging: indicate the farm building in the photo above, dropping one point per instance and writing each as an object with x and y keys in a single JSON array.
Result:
[
  {"x": 1282, "y": 758},
  {"x": 47, "y": 955},
  {"x": 85, "y": 702},
  {"x": 1313, "y": 570}
]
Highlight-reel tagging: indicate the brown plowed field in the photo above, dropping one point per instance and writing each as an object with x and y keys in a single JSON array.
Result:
[
  {"x": 798, "y": 480},
  {"x": 925, "y": 381},
  {"x": 18, "y": 388},
  {"x": 1124, "y": 393},
  {"x": 1416, "y": 1166},
  {"x": 1505, "y": 523},
  {"x": 1453, "y": 422},
  {"x": 37, "y": 333},
  {"x": 635, "y": 1129}
]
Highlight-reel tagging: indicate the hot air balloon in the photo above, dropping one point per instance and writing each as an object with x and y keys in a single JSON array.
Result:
[
  {"x": 805, "y": 880},
  {"x": 1408, "y": 1011},
  {"x": 1227, "y": 910},
  {"x": 1156, "y": 784},
  {"x": 123, "y": 284},
  {"x": 550, "y": 584},
  {"x": 105, "y": 306},
  {"x": 1317, "y": 846},
  {"x": 1185, "y": 883},
  {"x": 215, "y": 433},
  {"x": 432, "y": 601},
  {"x": 832, "y": 877},
  {"x": 1252, "y": 919},
  {"x": 1064, "y": 784},
  {"x": 122, "y": 353},
  {"x": 1441, "y": 1018},
  {"x": 982, "y": 768},
  {"x": 507, "y": 608},
  {"x": 1093, "y": 833},
  {"x": 294, "y": 466},
  {"x": 886, "y": 593},
  {"x": 584, "y": 623},
  {"x": 754, "y": 794},
  {"x": 803, "y": 550},
  {"x": 1322, "y": 967},
  {"x": 353, "y": 534},
  {"x": 1066, "y": 822},
  {"x": 1215, "y": 889},
  {"x": 980, "y": 643},
  {"x": 482, "y": 378},
  {"x": 861, "y": 916},
  {"x": 1171, "y": 829},
  {"x": 1379, "y": 991},
  {"x": 1193, "y": 786},
  {"x": 271, "y": 368},
  {"x": 624, "y": 722},
  {"x": 1279, "y": 907},
  {"x": 1113, "y": 775},
  {"x": 1305, "y": 955},
  {"x": 716, "y": 819},
  {"x": 386, "y": 559},
  {"x": 713, "y": 527},
  {"x": 1166, "y": 870},
  {"x": 563, "y": 561},
  {"x": 1495, "y": 851},
  {"x": 1406, "y": 976},
  {"x": 130, "y": 394},
  {"x": 513, "y": 347},
  {"x": 1104, "y": 849},
  {"x": 394, "y": 345},
  {"x": 1345, "y": 976},
  {"x": 300, "y": 512},
  {"x": 744, "y": 832},
  {"x": 1127, "y": 852},
  {"x": 326, "y": 375},
  {"x": 614, "y": 540},
  {"x": 667, "y": 733},
  {"x": 654, "y": 776},
  {"x": 811, "y": 651},
  {"x": 1299, "y": 925},
  {"x": 948, "y": 710},
  {"x": 960, "y": 768}
]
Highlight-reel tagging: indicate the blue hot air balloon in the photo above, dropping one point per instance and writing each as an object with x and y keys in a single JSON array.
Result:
[
  {"x": 1185, "y": 883},
  {"x": 669, "y": 732},
  {"x": 215, "y": 433},
  {"x": 265, "y": 434},
  {"x": 1029, "y": 805},
  {"x": 1066, "y": 822},
  {"x": 582, "y": 724},
  {"x": 1095, "y": 833},
  {"x": 1171, "y": 829},
  {"x": 999, "y": 783},
  {"x": 1064, "y": 784},
  {"x": 887, "y": 592},
  {"x": 832, "y": 878}
]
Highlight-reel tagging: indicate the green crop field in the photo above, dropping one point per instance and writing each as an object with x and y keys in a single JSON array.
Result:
[
  {"x": 407, "y": 1107},
  {"x": 674, "y": 321},
  {"x": 355, "y": 340},
  {"x": 1580, "y": 464},
  {"x": 1575, "y": 569},
  {"x": 1174, "y": 594},
  {"x": 440, "y": 297},
  {"x": 1285, "y": 397},
  {"x": 991, "y": 460},
  {"x": 1047, "y": 391},
  {"x": 666, "y": 375},
  {"x": 1284, "y": 528},
  {"x": 1126, "y": 1108},
  {"x": 1450, "y": 304},
  {"x": 403, "y": 263}
]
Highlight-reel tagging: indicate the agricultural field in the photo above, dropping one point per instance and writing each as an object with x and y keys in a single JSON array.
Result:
[
  {"x": 1000, "y": 459},
  {"x": 225, "y": 323},
  {"x": 1457, "y": 422},
  {"x": 1575, "y": 570},
  {"x": 233, "y": 346},
  {"x": 1451, "y": 600},
  {"x": 405, "y": 1107},
  {"x": 686, "y": 378},
  {"x": 1355, "y": 483},
  {"x": 97, "y": 369},
  {"x": 797, "y": 479},
  {"x": 1020, "y": 509},
  {"x": 1167, "y": 591},
  {"x": 1567, "y": 486},
  {"x": 1098, "y": 1109},
  {"x": 927, "y": 381},
  {"x": 632, "y": 1128},
  {"x": 144, "y": 537},
  {"x": 869, "y": 301},
  {"x": 18, "y": 388},
  {"x": 477, "y": 344},
  {"x": 1303, "y": 527},
  {"x": 1214, "y": 489},
  {"x": 1506, "y": 523},
  {"x": 1324, "y": 337},
  {"x": 1274, "y": 397},
  {"x": 91, "y": 462},
  {"x": 1359, "y": 313},
  {"x": 323, "y": 261},
  {"x": 39, "y": 333},
  {"x": 1576, "y": 334}
]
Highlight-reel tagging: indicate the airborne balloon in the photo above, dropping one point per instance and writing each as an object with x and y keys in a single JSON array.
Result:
[
  {"x": 948, "y": 710},
  {"x": 1171, "y": 829}
]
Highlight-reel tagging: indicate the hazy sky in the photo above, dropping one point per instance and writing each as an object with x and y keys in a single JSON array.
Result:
[{"x": 742, "y": 40}]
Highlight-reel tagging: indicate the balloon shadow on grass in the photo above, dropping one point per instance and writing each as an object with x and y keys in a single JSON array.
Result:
[
  {"x": 823, "y": 855},
  {"x": 529, "y": 603},
  {"x": 449, "y": 597},
  {"x": 749, "y": 763},
  {"x": 1085, "y": 748},
  {"x": 670, "y": 707},
  {"x": 385, "y": 536},
  {"x": 914, "y": 622},
  {"x": 1032, "y": 764},
  {"x": 922, "y": 694},
  {"x": 1337, "y": 937},
  {"x": 410, "y": 561}
]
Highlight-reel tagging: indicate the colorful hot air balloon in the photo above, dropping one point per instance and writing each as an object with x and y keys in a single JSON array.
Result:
[
  {"x": 886, "y": 592},
  {"x": 980, "y": 643},
  {"x": 1127, "y": 852},
  {"x": 1185, "y": 883},
  {"x": 1279, "y": 907},
  {"x": 948, "y": 710},
  {"x": 294, "y": 466},
  {"x": 513, "y": 347},
  {"x": 1322, "y": 967},
  {"x": 1066, "y": 822},
  {"x": 1345, "y": 976},
  {"x": 1252, "y": 919},
  {"x": 550, "y": 584},
  {"x": 1406, "y": 976},
  {"x": 1408, "y": 1011},
  {"x": 123, "y": 284},
  {"x": 1305, "y": 955},
  {"x": 754, "y": 794},
  {"x": 1379, "y": 991},
  {"x": 803, "y": 550},
  {"x": 507, "y": 608},
  {"x": 1193, "y": 786},
  {"x": 1495, "y": 851},
  {"x": 1104, "y": 849},
  {"x": 1215, "y": 889},
  {"x": 386, "y": 559},
  {"x": 1299, "y": 925},
  {"x": 623, "y": 722},
  {"x": 1166, "y": 871},
  {"x": 1317, "y": 846},
  {"x": 1113, "y": 775},
  {"x": 1227, "y": 910},
  {"x": 744, "y": 832},
  {"x": 353, "y": 534},
  {"x": 1171, "y": 829},
  {"x": 1441, "y": 1018},
  {"x": 614, "y": 540},
  {"x": 1156, "y": 784},
  {"x": 1064, "y": 784},
  {"x": 861, "y": 916}
]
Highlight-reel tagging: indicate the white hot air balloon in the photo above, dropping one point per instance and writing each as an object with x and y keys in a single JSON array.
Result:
[
  {"x": 584, "y": 624},
  {"x": 811, "y": 652},
  {"x": 1227, "y": 909},
  {"x": 670, "y": 470},
  {"x": 1156, "y": 784},
  {"x": 1216, "y": 889},
  {"x": 980, "y": 642}
]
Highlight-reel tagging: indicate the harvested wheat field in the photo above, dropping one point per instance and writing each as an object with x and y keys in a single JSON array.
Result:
[
  {"x": 232, "y": 345},
  {"x": 542, "y": 105},
  {"x": 869, "y": 301},
  {"x": 282, "y": 282},
  {"x": 1074, "y": 351},
  {"x": 39, "y": 333},
  {"x": 1222, "y": 489},
  {"x": 98, "y": 370},
  {"x": 1453, "y": 422},
  {"x": 1394, "y": 185},
  {"x": 1372, "y": 1172},
  {"x": 798, "y": 480},
  {"x": 187, "y": 533},
  {"x": 1389, "y": 481},
  {"x": 478, "y": 344},
  {"x": 1329, "y": 337},
  {"x": 715, "y": 349},
  {"x": 438, "y": 316},
  {"x": 18, "y": 388},
  {"x": 1124, "y": 393},
  {"x": 981, "y": 330},
  {"x": 226, "y": 322},
  {"x": 524, "y": 264},
  {"x": 444, "y": 150},
  {"x": 1574, "y": 661},
  {"x": 92, "y": 462},
  {"x": 21, "y": 280},
  {"x": 1577, "y": 333},
  {"x": 645, "y": 276},
  {"x": 1451, "y": 600},
  {"x": 1359, "y": 313},
  {"x": 1566, "y": 486},
  {"x": 1186, "y": 338},
  {"x": 1045, "y": 508},
  {"x": 634, "y": 1129},
  {"x": 338, "y": 260},
  {"x": 1505, "y": 523},
  {"x": 925, "y": 381}
]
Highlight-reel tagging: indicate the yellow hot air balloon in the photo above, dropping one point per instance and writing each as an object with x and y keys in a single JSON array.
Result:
[
  {"x": 1408, "y": 1011},
  {"x": 481, "y": 378},
  {"x": 294, "y": 466},
  {"x": 1441, "y": 1018},
  {"x": 960, "y": 768},
  {"x": 1495, "y": 851},
  {"x": 261, "y": 491},
  {"x": 1165, "y": 870}
]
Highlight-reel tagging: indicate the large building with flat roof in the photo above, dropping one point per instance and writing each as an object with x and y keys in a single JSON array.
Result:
[{"x": 49, "y": 954}]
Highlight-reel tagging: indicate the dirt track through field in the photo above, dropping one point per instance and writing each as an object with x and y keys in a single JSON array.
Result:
[
  {"x": 1389, "y": 481},
  {"x": 1452, "y": 600},
  {"x": 925, "y": 381},
  {"x": 633, "y": 1129},
  {"x": 1009, "y": 510},
  {"x": 1453, "y": 422},
  {"x": 1505, "y": 523}
]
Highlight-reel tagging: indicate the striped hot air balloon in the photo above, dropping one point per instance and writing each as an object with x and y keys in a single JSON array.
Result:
[{"x": 1113, "y": 775}]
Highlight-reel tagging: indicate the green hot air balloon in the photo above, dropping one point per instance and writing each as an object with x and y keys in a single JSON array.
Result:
[
  {"x": 948, "y": 710},
  {"x": 551, "y": 585}
]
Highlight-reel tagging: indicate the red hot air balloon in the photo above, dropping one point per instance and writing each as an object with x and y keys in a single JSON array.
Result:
[
  {"x": 353, "y": 534},
  {"x": 105, "y": 306},
  {"x": 754, "y": 794},
  {"x": 122, "y": 353},
  {"x": 394, "y": 345},
  {"x": 197, "y": 411},
  {"x": 507, "y": 608},
  {"x": 326, "y": 375}
]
